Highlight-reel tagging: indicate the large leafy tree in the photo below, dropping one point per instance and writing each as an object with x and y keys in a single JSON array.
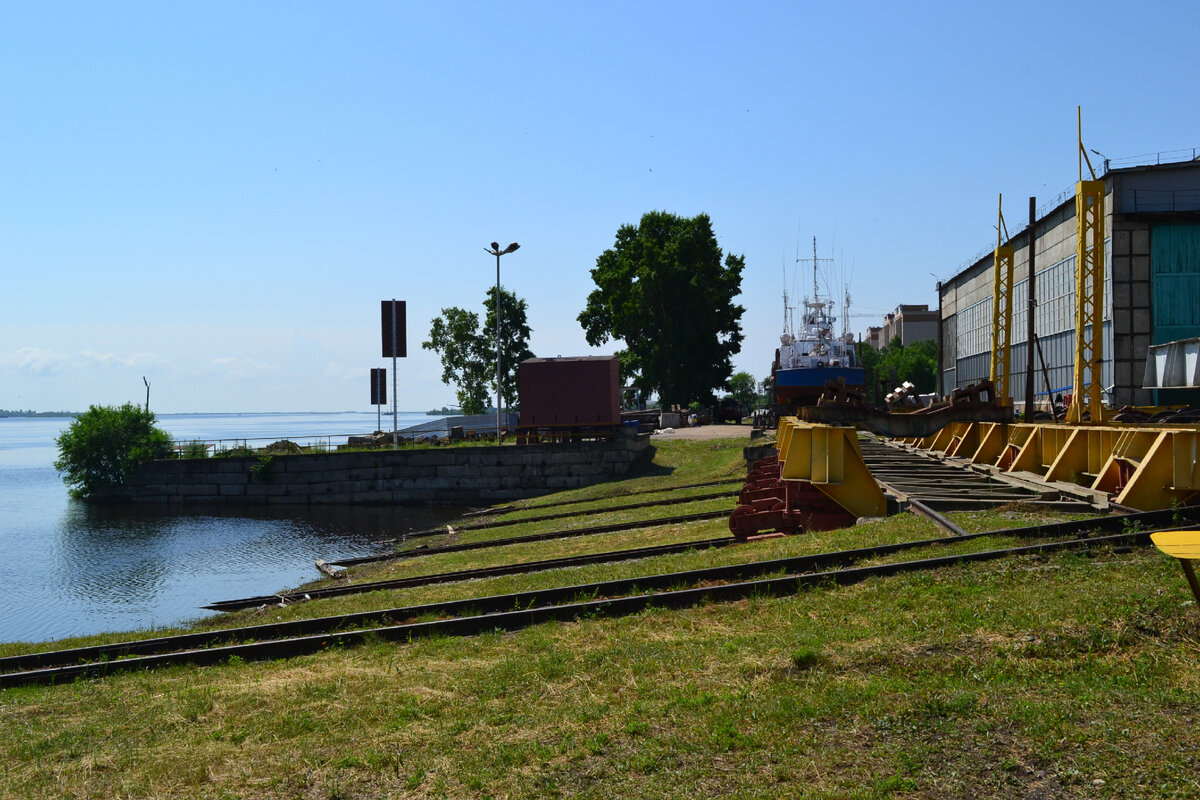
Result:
[
  {"x": 468, "y": 353},
  {"x": 103, "y": 446},
  {"x": 664, "y": 291}
]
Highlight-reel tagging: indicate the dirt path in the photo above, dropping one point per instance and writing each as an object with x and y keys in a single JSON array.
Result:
[{"x": 708, "y": 432}]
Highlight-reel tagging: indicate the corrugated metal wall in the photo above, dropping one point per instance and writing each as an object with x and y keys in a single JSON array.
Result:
[
  {"x": 1175, "y": 263},
  {"x": 968, "y": 334}
]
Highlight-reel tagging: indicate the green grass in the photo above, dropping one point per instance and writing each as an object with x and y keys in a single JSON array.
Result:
[{"x": 1045, "y": 676}]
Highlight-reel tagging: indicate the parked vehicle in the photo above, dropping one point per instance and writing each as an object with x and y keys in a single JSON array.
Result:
[{"x": 728, "y": 410}]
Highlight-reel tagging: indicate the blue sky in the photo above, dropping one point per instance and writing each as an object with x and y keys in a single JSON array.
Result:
[{"x": 217, "y": 195}]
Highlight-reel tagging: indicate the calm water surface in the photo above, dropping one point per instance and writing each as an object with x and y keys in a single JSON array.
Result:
[{"x": 73, "y": 569}]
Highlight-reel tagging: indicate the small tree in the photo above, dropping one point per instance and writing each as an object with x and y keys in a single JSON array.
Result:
[
  {"x": 744, "y": 389},
  {"x": 103, "y": 446},
  {"x": 455, "y": 337},
  {"x": 895, "y": 363},
  {"x": 468, "y": 354}
]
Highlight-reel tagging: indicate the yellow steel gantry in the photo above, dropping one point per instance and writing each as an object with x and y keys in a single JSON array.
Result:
[
  {"x": 1146, "y": 467},
  {"x": 1002, "y": 311},
  {"x": 1089, "y": 294}
]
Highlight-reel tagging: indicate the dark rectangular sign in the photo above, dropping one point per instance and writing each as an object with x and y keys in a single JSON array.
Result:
[
  {"x": 379, "y": 387},
  {"x": 395, "y": 343}
]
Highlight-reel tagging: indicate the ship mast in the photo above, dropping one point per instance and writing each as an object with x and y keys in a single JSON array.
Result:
[
  {"x": 816, "y": 298},
  {"x": 816, "y": 290}
]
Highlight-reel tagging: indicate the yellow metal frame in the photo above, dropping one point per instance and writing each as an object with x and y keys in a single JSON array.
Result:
[
  {"x": 1002, "y": 313},
  {"x": 1089, "y": 302},
  {"x": 1138, "y": 466},
  {"x": 831, "y": 460}
]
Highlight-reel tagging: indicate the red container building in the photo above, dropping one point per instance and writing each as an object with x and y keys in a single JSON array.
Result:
[{"x": 574, "y": 392}]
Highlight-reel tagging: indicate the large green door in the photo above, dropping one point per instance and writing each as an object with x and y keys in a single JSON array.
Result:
[{"x": 1175, "y": 263}]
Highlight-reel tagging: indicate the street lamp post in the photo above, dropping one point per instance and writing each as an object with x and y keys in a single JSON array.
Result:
[{"x": 497, "y": 252}]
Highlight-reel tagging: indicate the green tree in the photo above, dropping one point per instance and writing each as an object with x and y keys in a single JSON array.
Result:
[
  {"x": 514, "y": 340},
  {"x": 102, "y": 447},
  {"x": 895, "y": 363},
  {"x": 663, "y": 291},
  {"x": 744, "y": 388},
  {"x": 468, "y": 353},
  {"x": 868, "y": 359}
]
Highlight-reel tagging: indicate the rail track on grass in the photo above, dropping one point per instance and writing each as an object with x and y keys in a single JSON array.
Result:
[
  {"x": 569, "y": 533},
  {"x": 512, "y": 507},
  {"x": 470, "y": 616},
  {"x": 611, "y": 556},
  {"x": 500, "y": 523}
]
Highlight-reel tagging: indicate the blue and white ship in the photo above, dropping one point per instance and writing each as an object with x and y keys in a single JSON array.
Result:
[{"x": 811, "y": 354}]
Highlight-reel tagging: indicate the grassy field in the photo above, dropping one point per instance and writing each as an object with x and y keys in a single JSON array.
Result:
[{"x": 1041, "y": 677}]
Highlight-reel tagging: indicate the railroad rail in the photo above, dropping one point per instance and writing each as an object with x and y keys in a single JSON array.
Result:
[
  {"x": 481, "y": 614},
  {"x": 943, "y": 484},
  {"x": 507, "y": 509},
  {"x": 533, "y": 537},
  {"x": 478, "y": 526},
  {"x": 611, "y": 556}
]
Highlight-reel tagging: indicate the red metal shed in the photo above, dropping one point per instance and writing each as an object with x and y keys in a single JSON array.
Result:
[{"x": 573, "y": 391}]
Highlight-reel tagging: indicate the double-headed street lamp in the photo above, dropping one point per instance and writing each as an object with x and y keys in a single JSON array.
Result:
[{"x": 497, "y": 252}]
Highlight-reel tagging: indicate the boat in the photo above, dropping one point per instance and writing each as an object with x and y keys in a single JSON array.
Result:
[{"x": 811, "y": 354}]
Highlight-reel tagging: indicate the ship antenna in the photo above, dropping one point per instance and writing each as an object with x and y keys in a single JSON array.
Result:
[{"x": 815, "y": 289}]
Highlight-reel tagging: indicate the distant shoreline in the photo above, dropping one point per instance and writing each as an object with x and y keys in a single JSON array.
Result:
[{"x": 5, "y": 413}]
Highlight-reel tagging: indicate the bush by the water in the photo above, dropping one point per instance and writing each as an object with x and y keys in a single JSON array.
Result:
[{"x": 104, "y": 444}]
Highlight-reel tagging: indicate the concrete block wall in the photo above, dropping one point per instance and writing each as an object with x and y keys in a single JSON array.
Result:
[
  {"x": 1132, "y": 320},
  {"x": 451, "y": 476}
]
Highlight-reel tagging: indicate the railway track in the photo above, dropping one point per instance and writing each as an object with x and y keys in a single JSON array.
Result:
[
  {"x": 611, "y": 556},
  {"x": 517, "y": 610},
  {"x": 500, "y": 523},
  {"x": 533, "y": 537},
  {"x": 940, "y": 485},
  {"x": 508, "y": 509}
]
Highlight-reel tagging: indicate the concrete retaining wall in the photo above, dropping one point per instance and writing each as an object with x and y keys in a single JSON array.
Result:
[{"x": 452, "y": 476}]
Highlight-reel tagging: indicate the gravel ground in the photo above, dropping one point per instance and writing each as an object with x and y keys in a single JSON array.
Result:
[{"x": 707, "y": 432}]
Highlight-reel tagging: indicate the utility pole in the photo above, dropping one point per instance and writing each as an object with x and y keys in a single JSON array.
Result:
[{"x": 1031, "y": 335}]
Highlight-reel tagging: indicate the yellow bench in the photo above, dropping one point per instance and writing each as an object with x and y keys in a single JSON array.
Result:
[{"x": 1184, "y": 545}]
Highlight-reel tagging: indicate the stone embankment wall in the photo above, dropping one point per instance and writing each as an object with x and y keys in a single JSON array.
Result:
[{"x": 451, "y": 475}]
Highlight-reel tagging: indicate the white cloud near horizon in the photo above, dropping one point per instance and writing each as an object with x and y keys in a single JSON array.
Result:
[
  {"x": 35, "y": 361},
  {"x": 233, "y": 367},
  {"x": 109, "y": 360}
]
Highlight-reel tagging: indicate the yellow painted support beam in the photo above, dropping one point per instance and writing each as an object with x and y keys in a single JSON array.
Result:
[
  {"x": 1089, "y": 302},
  {"x": 1139, "y": 466},
  {"x": 1002, "y": 312},
  {"x": 992, "y": 441},
  {"x": 831, "y": 460},
  {"x": 1016, "y": 438},
  {"x": 1082, "y": 455},
  {"x": 1166, "y": 475},
  {"x": 783, "y": 435},
  {"x": 966, "y": 439}
]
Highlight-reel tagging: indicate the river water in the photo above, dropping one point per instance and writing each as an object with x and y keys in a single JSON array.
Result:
[{"x": 74, "y": 569}]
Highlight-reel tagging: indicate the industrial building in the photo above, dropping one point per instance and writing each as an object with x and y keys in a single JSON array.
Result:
[
  {"x": 908, "y": 324},
  {"x": 1151, "y": 290}
]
